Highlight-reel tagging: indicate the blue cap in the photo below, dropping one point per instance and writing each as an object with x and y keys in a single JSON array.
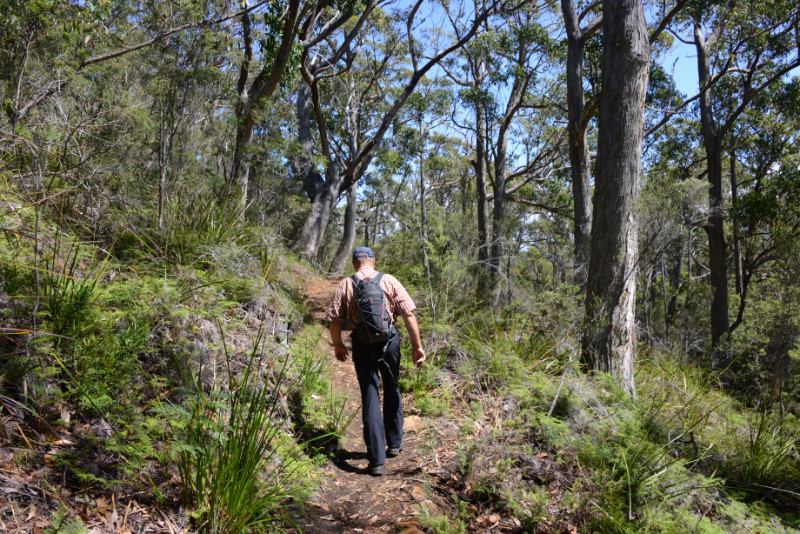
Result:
[{"x": 363, "y": 252}]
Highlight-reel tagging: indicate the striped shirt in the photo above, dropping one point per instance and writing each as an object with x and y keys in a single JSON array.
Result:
[{"x": 343, "y": 306}]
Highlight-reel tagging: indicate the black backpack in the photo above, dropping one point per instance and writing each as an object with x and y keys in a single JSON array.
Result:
[{"x": 372, "y": 318}]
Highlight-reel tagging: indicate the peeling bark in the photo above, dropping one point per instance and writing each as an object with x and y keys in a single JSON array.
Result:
[{"x": 609, "y": 340}]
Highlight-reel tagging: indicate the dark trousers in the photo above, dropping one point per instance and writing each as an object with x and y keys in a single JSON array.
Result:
[{"x": 387, "y": 429}]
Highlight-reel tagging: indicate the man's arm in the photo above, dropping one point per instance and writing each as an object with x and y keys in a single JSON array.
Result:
[
  {"x": 417, "y": 354},
  {"x": 339, "y": 350}
]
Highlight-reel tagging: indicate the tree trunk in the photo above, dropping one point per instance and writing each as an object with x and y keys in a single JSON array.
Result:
[
  {"x": 717, "y": 261},
  {"x": 319, "y": 217},
  {"x": 355, "y": 168},
  {"x": 323, "y": 194},
  {"x": 609, "y": 340},
  {"x": 737, "y": 249},
  {"x": 647, "y": 301},
  {"x": 423, "y": 212},
  {"x": 423, "y": 223},
  {"x": 240, "y": 172},
  {"x": 665, "y": 301},
  {"x": 238, "y": 181},
  {"x": 480, "y": 185},
  {"x": 348, "y": 235},
  {"x": 312, "y": 180},
  {"x": 498, "y": 214},
  {"x": 251, "y": 96},
  {"x": 163, "y": 166},
  {"x": 578, "y": 148}
]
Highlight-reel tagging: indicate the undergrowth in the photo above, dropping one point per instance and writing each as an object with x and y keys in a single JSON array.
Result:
[
  {"x": 542, "y": 436},
  {"x": 138, "y": 359},
  {"x": 319, "y": 415},
  {"x": 237, "y": 470},
  {"x": 141, "y": 354}
]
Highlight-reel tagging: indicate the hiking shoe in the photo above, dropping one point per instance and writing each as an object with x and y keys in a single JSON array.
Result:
[
  {"x": 391, "y": 452},
  {"x": 375, "y": 469}
]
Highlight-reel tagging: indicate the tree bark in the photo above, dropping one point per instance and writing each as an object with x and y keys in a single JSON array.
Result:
[
  {"x": 316, "y": 223},
  {"x": 737, "y": 249},
  {"x": 312, "y": 180},
  {"x": 609, "y": 340},
  {"x": 515, "y": 101},
  {"x": 480, "y": 185},
  {"x": 423, "y": 220},
  {"x": 500, "y": 164},
  {"x": 163, "y": 166},
  {"x": 353, "y": 114},
  {"x": 715, "y": 229},
  {"x": 240, "y": 171},
  {"x": 578, "y": 148},
  {"x": 349, "y": 233}
]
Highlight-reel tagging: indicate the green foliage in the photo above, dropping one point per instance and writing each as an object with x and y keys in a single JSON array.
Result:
[
  {"x": 763, "y": 460},
  {"x": 66, "y": 290},
  {"x": 108, "y": 372},
  {"x": 274, "y": 20},
  {"x": 197, "y": 224},
  {"x": 64, "y": 524},
  {"x": 676, "y": 448},
  {"x": 442, "y": 524},
  {"x": 320, "y": 415},
  {"x": 235, "y": 471},
  {"x": 431, "y": 395},
  {"x": 91, "y": 338},
  {"x": 776, "y": 204},
  {"x": 506, "y": 347}
]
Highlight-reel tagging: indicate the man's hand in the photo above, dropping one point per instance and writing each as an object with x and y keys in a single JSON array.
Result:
[
  {"x": 418, "y": 355},
  {"x": 340, "y": 351}
]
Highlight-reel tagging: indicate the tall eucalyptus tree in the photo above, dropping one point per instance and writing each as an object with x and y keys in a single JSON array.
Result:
[
  {"x": 747, "y": 47},
  {"x": 328, "y": 190},
  {"x": 609, "y": 338},
  {"x": 578, "y": 121},
  {"x": 506, "y": 59}
]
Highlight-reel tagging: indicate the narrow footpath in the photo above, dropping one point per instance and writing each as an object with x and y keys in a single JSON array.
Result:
[{"x": 348, "y": 499}]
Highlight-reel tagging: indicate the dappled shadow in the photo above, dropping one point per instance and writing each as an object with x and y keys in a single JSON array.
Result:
[{"x": 342, "y": 459}]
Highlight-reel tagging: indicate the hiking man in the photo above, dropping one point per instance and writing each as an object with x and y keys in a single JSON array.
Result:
[{"x": 375, "y": 361}]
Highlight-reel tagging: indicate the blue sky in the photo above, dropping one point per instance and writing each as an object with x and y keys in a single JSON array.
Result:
[{"x": 681, "y": 62}]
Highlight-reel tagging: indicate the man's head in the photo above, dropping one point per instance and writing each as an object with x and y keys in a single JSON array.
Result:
[{"x": 363, "y": 256}]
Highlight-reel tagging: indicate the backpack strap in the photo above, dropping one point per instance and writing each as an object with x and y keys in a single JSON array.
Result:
[
  {"x": 356, "y": 280},
  {"x": 378, "y": 277}
]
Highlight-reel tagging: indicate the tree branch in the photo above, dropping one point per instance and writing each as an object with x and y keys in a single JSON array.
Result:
[
  {"x": 264, "y": 85},
  {"x": 668, "y": 115},
  {"x": 359, "y": 165},
  {"x": 588, "y": 9},
  {"x": 556, "y": 210},
  {"x": 171, "y": 31},
  {"x": 666, "y": 20},
  {"x": 412, "y": 51},
  {"x": 592, "y": 28},
  {"x": 749, "y": 96}
]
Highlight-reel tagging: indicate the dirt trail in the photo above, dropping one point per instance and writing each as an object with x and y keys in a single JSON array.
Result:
[{"x": 349, "y": 500}]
